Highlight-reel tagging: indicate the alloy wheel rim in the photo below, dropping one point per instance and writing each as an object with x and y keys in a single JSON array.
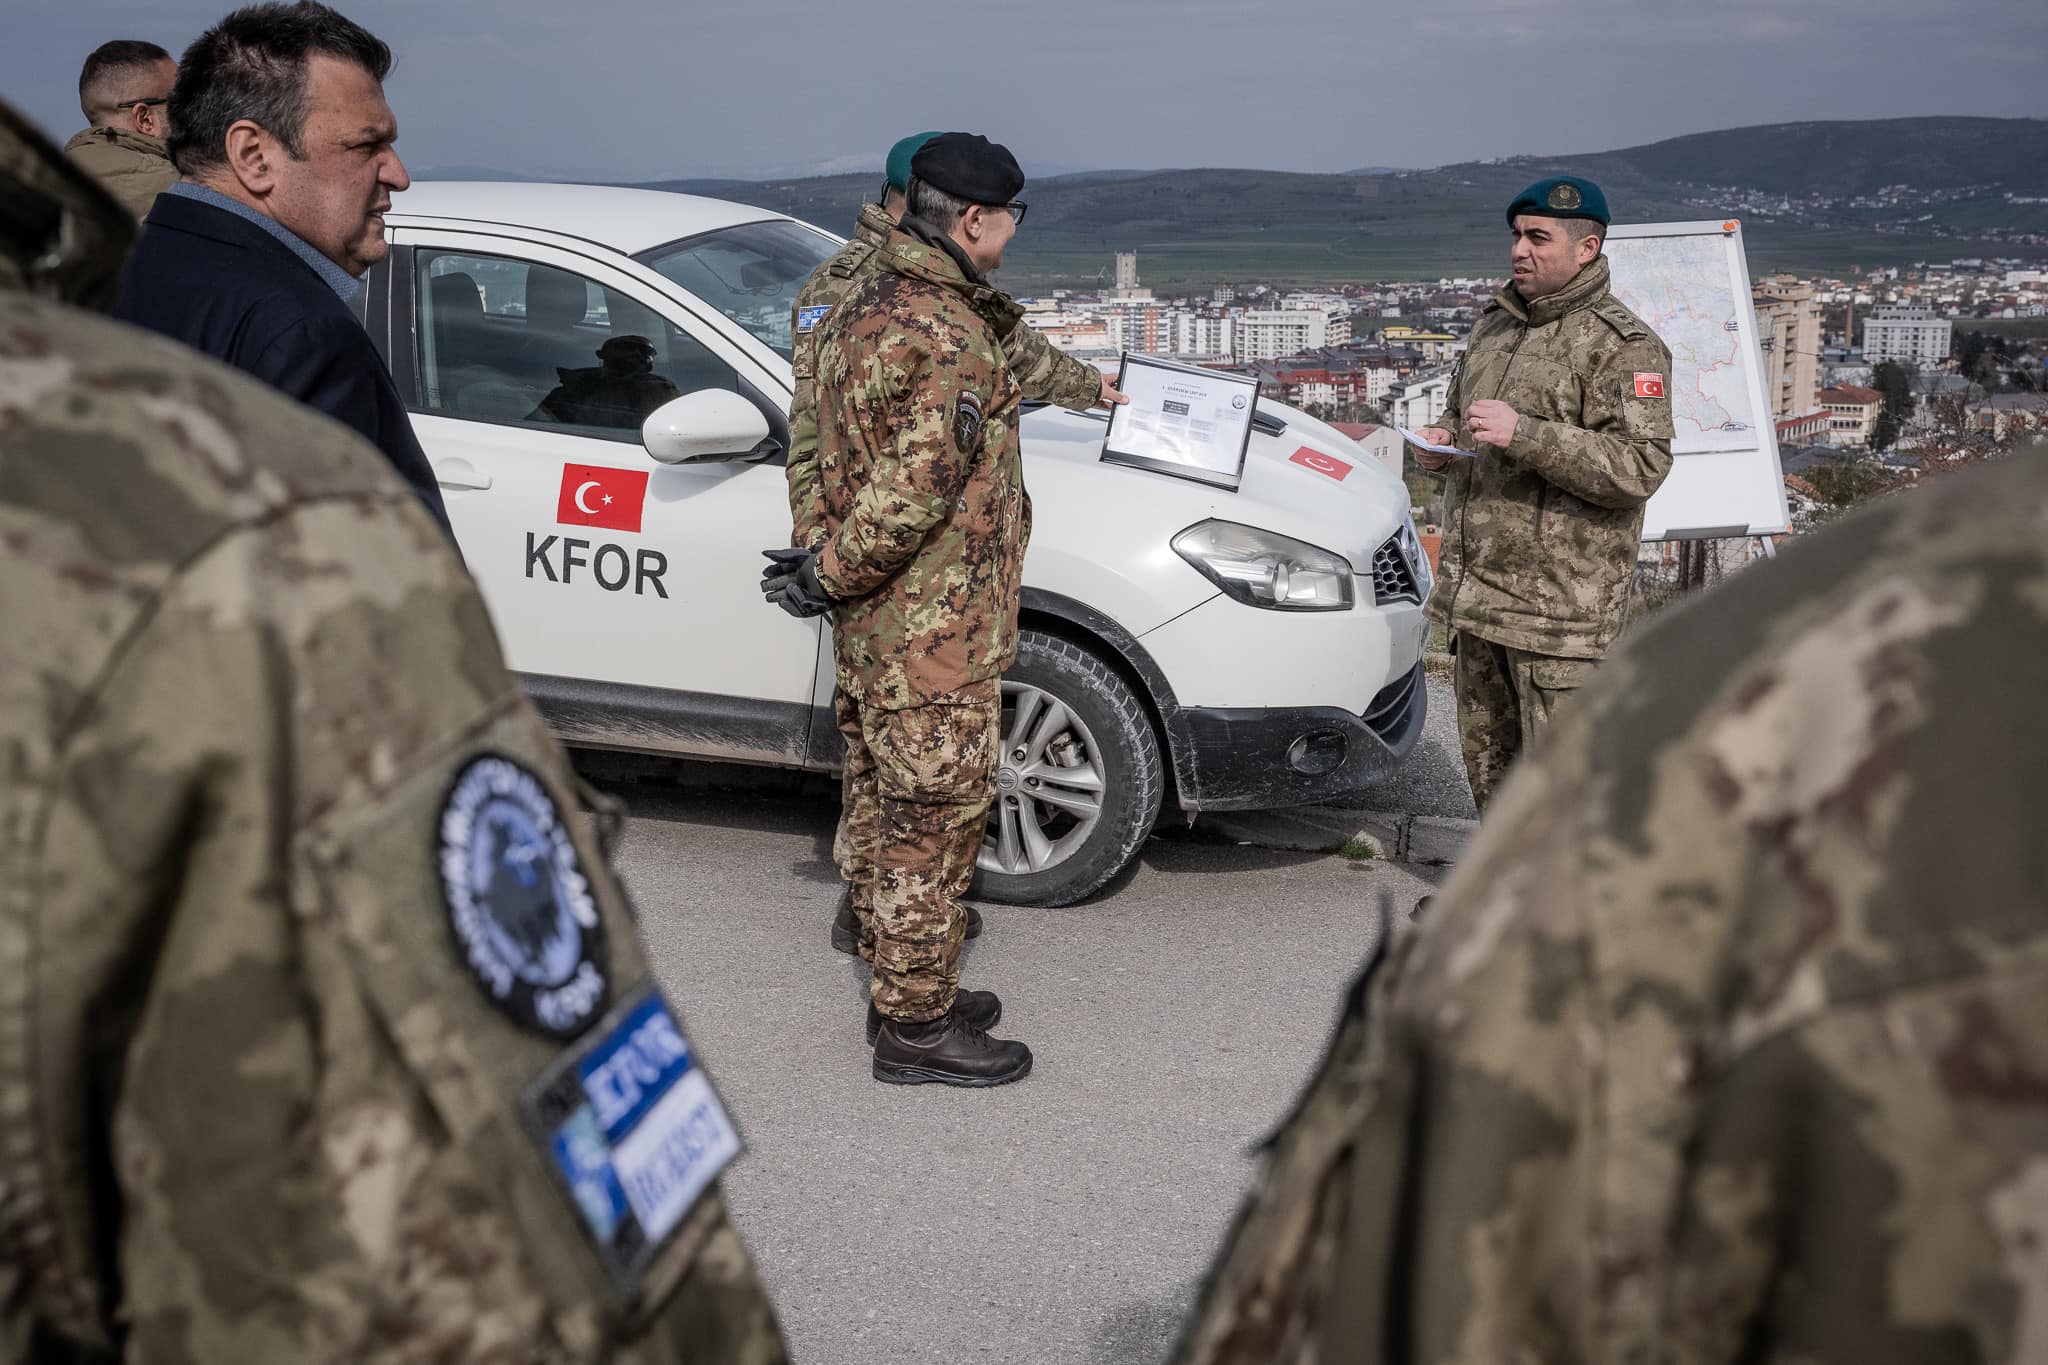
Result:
[{"x": 1049, "y": 785}]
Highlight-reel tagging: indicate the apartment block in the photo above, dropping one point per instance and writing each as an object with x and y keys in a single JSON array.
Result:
[
  {"x": 1788, "y": 329},
  {"x": 1910, "y": 335}
]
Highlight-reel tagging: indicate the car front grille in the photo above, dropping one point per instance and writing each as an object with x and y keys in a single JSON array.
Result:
[{"x": 1392, "y": 579}]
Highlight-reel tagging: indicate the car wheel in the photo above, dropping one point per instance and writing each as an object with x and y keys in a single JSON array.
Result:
[{"x": 1078, "y": 783}]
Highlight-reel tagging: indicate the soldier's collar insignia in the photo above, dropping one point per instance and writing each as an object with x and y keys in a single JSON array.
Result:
[
  {"x": 966, "y": 422},
  {"x": 1565, "y": 197},
  {"x": 518, "y": 902}
]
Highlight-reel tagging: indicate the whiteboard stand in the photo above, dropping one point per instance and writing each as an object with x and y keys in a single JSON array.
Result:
[{"x": 1725, "y": 481}]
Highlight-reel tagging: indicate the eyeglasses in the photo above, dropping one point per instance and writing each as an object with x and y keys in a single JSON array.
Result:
[
  {"x": 130, "y": 104},
  {"x": 1016, "y": 210}
]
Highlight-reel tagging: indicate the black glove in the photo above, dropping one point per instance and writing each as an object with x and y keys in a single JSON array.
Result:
[{"x": 791, "y": 582}]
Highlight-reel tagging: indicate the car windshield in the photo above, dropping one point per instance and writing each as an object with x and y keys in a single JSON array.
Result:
[{"x": 750, "y": 273}]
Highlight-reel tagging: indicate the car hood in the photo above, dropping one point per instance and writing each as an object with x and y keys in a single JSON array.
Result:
[{"x": 1290, "y": 483}]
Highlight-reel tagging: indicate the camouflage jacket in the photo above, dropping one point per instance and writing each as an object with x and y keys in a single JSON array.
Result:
[
  {"x": 133, "y": 168},
  {"x": 1728, "y": 1040},
  {"x": 921, "y": 478},
  {"x": 1540, "y": 539},
  {"x": 1044, "y": 372},
  {"x": 255, "y": 1102}
]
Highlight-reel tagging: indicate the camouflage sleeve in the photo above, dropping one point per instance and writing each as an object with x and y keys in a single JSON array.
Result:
[
  {"x": 1047, "y": 374},
  {"x": 1680, "y": 1067},
  {"x": 1453, "y": 418},
  {"x": 806, "y": 490},
  {"x": 1620, "y": 451},
  {"x": 1426, "y": 1202},
  {"x": 920, "y": 478},
  {"x": 257, "y": 790}
]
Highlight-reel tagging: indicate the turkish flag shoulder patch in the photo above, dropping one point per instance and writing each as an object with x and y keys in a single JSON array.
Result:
[
  {"x": 1649, "y": 385},
  {"x": 598, "y": 495}
]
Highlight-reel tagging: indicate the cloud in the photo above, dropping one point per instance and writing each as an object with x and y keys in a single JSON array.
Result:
[{"x": 642, "y": 89}]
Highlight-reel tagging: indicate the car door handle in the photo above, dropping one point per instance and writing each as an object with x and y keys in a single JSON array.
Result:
[{"x": 460, "y": 474}]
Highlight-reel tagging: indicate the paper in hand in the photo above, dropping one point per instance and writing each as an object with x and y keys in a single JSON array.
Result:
[{"x": 1412, "y": 439}]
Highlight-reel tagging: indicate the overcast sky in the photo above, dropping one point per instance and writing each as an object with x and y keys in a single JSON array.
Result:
[{"x": 646, "y": 89}]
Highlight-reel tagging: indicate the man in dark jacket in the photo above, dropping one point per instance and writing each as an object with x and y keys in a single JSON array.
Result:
[{"x": 280, "y": 129}]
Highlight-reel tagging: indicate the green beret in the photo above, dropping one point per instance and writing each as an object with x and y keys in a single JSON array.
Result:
[
  {"x": 1561, "y": 196},
  {"x": 898, "y": 169}
]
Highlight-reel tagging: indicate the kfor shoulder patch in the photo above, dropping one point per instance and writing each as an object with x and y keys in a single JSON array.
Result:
[
  {"x": 630, "y": 1126},
  {"x": 518, "y": 902},
  {"x": 966, "y": 421},
  {"x": 809, "y": 318}
]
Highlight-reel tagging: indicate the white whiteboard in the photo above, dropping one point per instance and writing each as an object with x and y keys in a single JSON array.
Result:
[{"x": 1690, "y": 282}]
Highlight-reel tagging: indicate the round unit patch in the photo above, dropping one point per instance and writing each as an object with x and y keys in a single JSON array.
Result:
[{"x": 519, "y": 905}]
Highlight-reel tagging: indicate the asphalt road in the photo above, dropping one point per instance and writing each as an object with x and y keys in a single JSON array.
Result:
[
  {"x": 1067, "y": 1218},
  {"x": 1432, "y": 780}
]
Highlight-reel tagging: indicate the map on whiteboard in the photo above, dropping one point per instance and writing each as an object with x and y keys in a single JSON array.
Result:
[{"x": 1684, "y": 287}]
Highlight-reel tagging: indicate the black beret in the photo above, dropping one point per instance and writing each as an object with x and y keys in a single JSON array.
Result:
[
  {"x": 968, "y": 166},
  {"x": 1561, "y": 196}
]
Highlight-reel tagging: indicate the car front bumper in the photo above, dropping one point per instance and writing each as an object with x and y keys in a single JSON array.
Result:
[{"x": 1260, "y": 758}]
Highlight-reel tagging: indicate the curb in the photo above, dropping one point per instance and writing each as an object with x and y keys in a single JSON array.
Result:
[{"x": 1432, "y": 840}]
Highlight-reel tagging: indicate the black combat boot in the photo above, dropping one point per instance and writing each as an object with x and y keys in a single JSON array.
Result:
[
  {"x": 948, "y": 1050},
  {"x": 979, "y": 1008},
  {"x": 846, "y": 928},
  {"x": 845, "y": 925}
]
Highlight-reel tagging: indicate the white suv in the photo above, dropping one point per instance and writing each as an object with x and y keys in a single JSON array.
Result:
[{"x": 601, "y": 379}]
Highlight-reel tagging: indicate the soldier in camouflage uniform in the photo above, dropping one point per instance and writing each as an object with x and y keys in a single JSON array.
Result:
[
  {"x": 1730, "y": 1041},
  {"x": 926, "y": 519},
  {"x": 1044, "y": 374},
  {"x": 1562, "y": 396},
  {"x": 310, "y": 992}
]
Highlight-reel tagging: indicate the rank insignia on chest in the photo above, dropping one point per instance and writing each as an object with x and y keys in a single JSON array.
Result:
[
  {"x": 1649, "y": 385},
  {"x": 518, "y": 902},
  {"x": 807, "y": 319},
  {"x": 966, "y": 421}
]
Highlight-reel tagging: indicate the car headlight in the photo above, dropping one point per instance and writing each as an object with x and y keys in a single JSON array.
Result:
[{"x": 1265, "y": 569}]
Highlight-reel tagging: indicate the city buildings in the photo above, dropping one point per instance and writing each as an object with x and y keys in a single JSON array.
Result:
[
  {"x": 1273, "y": 333},
  {"x": 1788, "y": 330},
  {"x": 1910, "y": 335},
  {"x": 1417, "y": 402},
  {"x": 1384, "y": 444},
  {"x": 1852, "y": 414}
]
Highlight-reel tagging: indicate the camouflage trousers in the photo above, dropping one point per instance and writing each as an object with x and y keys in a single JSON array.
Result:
[
  {"x": 1506, "y": 697},
  {"x": 913, "y": 806}
]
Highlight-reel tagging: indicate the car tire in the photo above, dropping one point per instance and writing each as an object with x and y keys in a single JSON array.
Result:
[{"x": 1106, "y": 737}]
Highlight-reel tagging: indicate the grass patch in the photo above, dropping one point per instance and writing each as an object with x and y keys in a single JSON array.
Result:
[{"x": 1357, "y": 850}]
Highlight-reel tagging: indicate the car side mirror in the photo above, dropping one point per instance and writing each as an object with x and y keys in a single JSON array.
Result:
[{"x": 710, "y": 424}]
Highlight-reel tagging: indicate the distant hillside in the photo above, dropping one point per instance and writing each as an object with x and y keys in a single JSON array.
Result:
[
  {"x": 1797, "y": 194},
  {"x": 1844, "y": 159}
]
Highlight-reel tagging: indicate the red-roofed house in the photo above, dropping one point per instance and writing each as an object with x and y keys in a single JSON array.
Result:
[
  {"x": 1812, "y": 429},
  {"x": 1382, "y": 443},
  {"x": 1852, "y": 414}
]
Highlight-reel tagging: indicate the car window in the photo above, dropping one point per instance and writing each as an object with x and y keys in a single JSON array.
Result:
[
  {"x": 506, "y": 340},
  {"x": 750, "y": 273}
]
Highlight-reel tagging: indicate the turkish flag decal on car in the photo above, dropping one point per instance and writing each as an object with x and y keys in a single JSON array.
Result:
[
  {"x": 597, "y": 495},
  {"x": 1321, "y": 463},
  {"x": 1649, "y": 385}
]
